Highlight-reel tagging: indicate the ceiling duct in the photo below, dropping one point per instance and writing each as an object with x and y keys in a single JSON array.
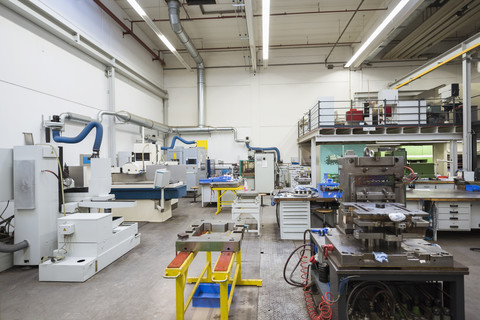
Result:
[{"x": 174, "y": 14}]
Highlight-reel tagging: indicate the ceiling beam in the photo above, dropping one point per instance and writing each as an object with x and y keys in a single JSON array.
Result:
[
  {"x": 393, "y": 18},
  {"x": 276, "y": 46},
  {"x": 272, "y": 15},
  {"x": 344, "y": 29},
  {"x": 453, "y": 53},
  {"x": 129, "y": 31}
]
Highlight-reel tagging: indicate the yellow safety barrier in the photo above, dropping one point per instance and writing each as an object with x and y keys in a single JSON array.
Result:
[{"x": 221, "y": 274}]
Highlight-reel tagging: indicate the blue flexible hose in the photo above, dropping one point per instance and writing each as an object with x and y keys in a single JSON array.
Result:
[
  {"x": 175, "y": 140},
  {"x": 265, "y": 149},
  {"x": 98, "y": 137}
]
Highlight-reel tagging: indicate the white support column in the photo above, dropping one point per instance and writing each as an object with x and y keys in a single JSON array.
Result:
[
  {"x": 467, "y": 113},
  {"x": 313, "y": 157},
  {"x": 453, "y": 158},
  {"x": 165, "y": 121},
  {"x": 112, "y": 150}
]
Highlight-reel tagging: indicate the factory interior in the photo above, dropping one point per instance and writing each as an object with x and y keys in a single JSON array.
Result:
[{"x": 239, "y": 159}]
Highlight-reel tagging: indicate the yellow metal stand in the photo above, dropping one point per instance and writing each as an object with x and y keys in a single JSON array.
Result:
[
  {"x": 220, "y": 194},
  {"x": 221, "y": 274}
]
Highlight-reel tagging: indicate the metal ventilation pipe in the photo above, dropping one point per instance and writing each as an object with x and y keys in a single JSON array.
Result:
[
  {"x": 195, "y": 130},
  {"x": 174, "y": 14},
  {"x": 128, "y": 117},
  {"x": 9, "y": 248}
]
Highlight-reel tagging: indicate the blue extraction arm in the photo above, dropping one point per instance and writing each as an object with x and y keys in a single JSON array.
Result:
[{"x": 98, "y": 137}]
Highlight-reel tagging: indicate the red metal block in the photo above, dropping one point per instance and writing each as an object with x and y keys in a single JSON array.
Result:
[
  {"x": 179, "y": 260},
  {"x": 224, "y": 261}
]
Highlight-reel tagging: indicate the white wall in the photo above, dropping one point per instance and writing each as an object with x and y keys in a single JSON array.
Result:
[
  {"x": 42, "y": 76},
  {"x": 267, "y": 106}
]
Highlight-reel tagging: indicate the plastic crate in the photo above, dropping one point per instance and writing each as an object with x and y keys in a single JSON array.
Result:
[{"x": 208, "y": 295}]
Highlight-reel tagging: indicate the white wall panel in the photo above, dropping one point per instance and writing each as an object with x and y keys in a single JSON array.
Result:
[
  {"x": 106, "y": 33},
  {"x": 42, "y": 76}
]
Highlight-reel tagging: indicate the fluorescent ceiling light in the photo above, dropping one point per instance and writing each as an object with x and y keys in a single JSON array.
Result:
[
  {"x": 137, "y": 8},
  {"x": 167, "y": 43},
  {"x": 377, "y": 31},
  {"x": 265, "y": 29},
  {"x": 157, "y": 31}
]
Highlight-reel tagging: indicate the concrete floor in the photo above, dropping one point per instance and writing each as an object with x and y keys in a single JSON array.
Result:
[{"x": 133, "y": 286}]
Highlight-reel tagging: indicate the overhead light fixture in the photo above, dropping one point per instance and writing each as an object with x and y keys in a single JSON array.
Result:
[
  {"x": 157, "y": 31},
  {"x": 265, "y": 30},
  {"x": 377, "y": 31},
  {"x": 137, "y": 8}
]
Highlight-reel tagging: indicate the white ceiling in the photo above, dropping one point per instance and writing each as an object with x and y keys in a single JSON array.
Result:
[{"x": 294, "y": 23}]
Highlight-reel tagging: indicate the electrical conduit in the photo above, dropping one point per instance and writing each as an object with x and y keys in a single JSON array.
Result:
[{"x": 98, "y": 137}]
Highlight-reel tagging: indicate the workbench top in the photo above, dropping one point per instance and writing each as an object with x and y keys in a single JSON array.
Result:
[
  {"x": 434, "y": 182},
  {"x": 442, "y": 195}
]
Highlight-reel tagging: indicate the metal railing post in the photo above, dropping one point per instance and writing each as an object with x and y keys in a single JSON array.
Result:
[
  {"x": 318, "y": 115},
  {"x": 309, "y": 120},
  {"x": 419, "y": 113},
  {"x": 385, "y": 112},
  {"x": 351, "y": 113},
  {"x": 454, "y": 111}
]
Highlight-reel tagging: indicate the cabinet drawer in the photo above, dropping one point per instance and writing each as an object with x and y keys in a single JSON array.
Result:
[
  {"x": 290, "y": 222},
  {"x": 293, "y": 233},
  {"x": 452, "y": 204},
  {"x": 299, "y": 229},
  {"x": 424, "y": 186},
  {"x": 453, "y": 210},
  {"x": 460, "y": 225},
  {"x": 453, "y": 216},
  {"x": 445, "y": 186},
  {"x": 294, "y": 215},
  {"x": 295, "y": 205}
]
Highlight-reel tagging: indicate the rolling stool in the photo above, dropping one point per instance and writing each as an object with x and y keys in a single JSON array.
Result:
[
  {"x": 324, "y": 211},
  {"x": 194, "y": 194}
]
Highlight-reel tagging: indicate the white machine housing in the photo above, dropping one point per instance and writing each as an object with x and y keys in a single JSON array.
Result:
[
  {"x": 264, "y": 172},
  {"x": 100, "y": 180},
  {"x": 36, "y": 202},
  {"x": 195, "y": 159},
  {"x": 162, "y": 178},
  {"x": 88, "y": 242},
  {"x": 139, "y": 163}
]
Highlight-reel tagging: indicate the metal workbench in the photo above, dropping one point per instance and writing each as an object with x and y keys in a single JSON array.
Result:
[
  {"x": 294, "y": 212},
  {"x": 451, "y": 210},
  {"x": 452, "y": 278},
  {"x": 442, "y": 195}
]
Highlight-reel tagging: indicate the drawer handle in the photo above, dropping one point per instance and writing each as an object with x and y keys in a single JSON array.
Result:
[
  {"x": 454, "y": 206},
  {"x": 453, "y": 227},
  {"x": 453, "y": 218},
  {"x": 453, "y": 211}
]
